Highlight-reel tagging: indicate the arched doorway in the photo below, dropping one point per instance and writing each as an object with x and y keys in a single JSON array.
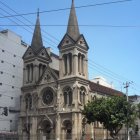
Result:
[
  {"x": 68, "y": 129},
  {"x": 47, "y": 129}
]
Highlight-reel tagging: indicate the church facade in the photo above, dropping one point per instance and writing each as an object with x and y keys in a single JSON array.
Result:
[{"x": 52, "y": 100}]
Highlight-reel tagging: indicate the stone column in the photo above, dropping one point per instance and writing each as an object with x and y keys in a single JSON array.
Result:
[
  {"x": 40, "y": 135},
  {"x": 80, "y": 64},
  {"x": 105, "y": 133},
  {"x": 80, "y": 126},
  {"x": 68, "y": 64},
  {"x": 58, "y": 127},
  {"x": 74, "y": 128},
  {"x": 61, "y": 67},
  {"x": 27, "y": 73},
  {"x": 86, "y": 68},
  {"x": 30, "y": 75},
  {"x": 63, "y": 134},
  {"x": 24, "y": 75},
  {"x": 92, "y": 130},
  {"x": 35, "y": 71},
  {"x": 75, "y": 64},
  {"x": 33, "y": 135},
  {"x": 41, "y": 70}
]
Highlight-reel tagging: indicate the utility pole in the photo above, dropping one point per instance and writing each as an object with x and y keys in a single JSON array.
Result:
[{"x": 127, "y": 84}]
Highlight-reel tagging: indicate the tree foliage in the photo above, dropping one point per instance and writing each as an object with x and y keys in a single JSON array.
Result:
[{"x": 112, "y": 112}]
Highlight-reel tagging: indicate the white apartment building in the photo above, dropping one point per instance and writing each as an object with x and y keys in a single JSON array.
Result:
[
  {"x": 12, "y": 49},
  {"x": 102, "y": 81}
]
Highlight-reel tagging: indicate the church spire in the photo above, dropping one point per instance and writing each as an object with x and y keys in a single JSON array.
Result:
[
  {"x": 73, "y": 28},
  {"x": 37, "y": 38}
]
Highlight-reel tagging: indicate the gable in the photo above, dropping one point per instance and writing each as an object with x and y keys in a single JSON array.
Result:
[
  {"x": 66, "y": 41},
  {"x": 48, "y": 76},
  {"x": 82, "y": 42},
  {"x": 29, "y": 53},
  {"x": 44, "y": 54}
]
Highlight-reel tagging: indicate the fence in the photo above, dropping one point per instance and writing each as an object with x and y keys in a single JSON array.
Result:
[{"x": 97, "y": 134}]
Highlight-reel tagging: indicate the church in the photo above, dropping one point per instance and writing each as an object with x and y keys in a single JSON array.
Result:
[{"x": 55, "y": 88}]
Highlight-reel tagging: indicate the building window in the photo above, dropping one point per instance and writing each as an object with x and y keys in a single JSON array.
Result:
[
  {"x": 70, "y": 63},
  {"x": 65, "y": 64},
  {"x": 81, "y": 66},
  {"x": 68, "y": 96},
  {"x": 28, "y": 101},
  {"x": 82, "y": 95},
  {"x": 41, "y": 69},
  {"x": 2, "y": 61},
  {"x": 48, "y": 96},
  {"x": 94, "y": 98},
  {"x": 67, "y": 59},
  {"x": 29, "y": 69},
  {"x": 1, "y": 72}
]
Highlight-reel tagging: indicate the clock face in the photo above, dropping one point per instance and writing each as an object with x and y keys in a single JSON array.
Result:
[{"x": 48, "y": 96}]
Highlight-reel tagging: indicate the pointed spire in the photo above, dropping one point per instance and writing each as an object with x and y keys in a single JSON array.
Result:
[
  {"x": 37, "y": 38},
  {"x": 73, "y": 28}
]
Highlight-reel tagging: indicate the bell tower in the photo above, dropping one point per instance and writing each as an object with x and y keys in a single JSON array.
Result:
[
  {"x": 73, "y": 50},
  {"x": 73, "y": 79},
  {"x": 36, "y": 58}
]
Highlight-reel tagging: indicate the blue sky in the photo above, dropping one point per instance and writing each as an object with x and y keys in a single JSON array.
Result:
[{"x": 114, "y": 51}]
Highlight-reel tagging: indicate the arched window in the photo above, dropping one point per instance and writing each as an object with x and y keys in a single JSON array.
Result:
[
  {"x": 31, "y": 71},
  {"x": 94, "y": 98},
  {"x": 28, "y": 101},
  {"x": 82, "y": 64},
  {"x": 79, "y": 69},
  {"x": 82, "y": 95},
  {"x": 70, "y": 63},
  {"x": 28, "y": 73},
  {"x": 65, "y": 64},
  {"x": 81, "y": 59},
  {"x": 41, "y": 69},
  {"x": 68, "y": 96},
  {"x": 47, "y": 129}
]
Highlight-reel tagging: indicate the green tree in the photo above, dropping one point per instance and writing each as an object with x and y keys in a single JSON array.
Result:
[
  {"x": 112, "y": 112},
  {"x": 138, "y": 110}
]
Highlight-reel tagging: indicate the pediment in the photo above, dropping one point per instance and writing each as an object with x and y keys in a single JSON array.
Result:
[
  {"x": 82, "y": 42},
  {"x": 44, "y": 54},
  {"x": 66, "y": 41},
  {"x": 29, "y": 53},
  {"x": 48, "y": 76}
]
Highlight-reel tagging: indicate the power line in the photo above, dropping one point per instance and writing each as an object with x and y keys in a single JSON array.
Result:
[
  {"x": 93, "y": 25},
  {"x": 31, "y": 32},
  {"x": 27, "y": 20},
  {"x": 109, "y": 71},
  {"x": 62, "y": 9},
  {"x": 101, "y": 70}
]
